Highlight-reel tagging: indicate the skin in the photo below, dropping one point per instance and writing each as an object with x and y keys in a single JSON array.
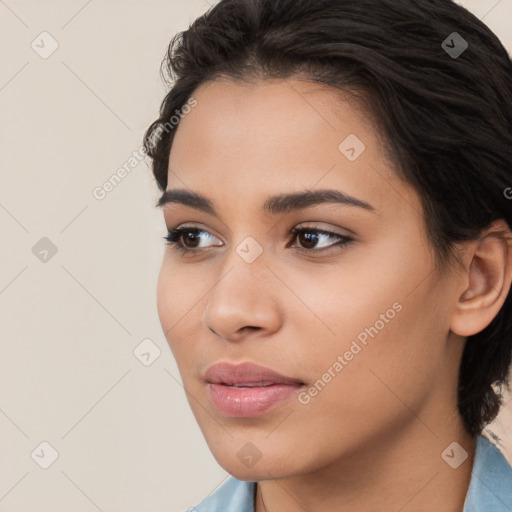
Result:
[{"x": 372, "y": 438}]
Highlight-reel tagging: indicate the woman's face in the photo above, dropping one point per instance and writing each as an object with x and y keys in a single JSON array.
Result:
[{"x": 363, "y": 326}]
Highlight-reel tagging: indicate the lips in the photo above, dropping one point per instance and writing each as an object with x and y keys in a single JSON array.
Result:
[
  {"x": 247, "y": 389},
  {"x": 246, "y": 375}
]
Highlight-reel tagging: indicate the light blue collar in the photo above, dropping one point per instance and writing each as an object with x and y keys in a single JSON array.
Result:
[
  {"x": 490, "y": 487},
  {"x": 232, "y": 496}
]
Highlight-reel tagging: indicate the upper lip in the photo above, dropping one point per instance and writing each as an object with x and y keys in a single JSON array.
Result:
[{"x": 246, "y": 373}]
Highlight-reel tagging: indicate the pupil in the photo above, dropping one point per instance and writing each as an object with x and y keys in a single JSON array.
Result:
[
  {"x": 190, "y": 236},
  {"x": 310, "y": 238}
]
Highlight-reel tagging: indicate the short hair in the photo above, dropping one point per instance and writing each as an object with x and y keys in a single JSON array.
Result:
[{"x": 444, "y": 110}]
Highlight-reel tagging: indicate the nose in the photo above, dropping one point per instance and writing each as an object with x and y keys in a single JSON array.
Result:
[{"x": 243, "y": 301}]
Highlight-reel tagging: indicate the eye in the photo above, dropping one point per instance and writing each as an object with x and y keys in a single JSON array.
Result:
[
  {"x": 312, "y": 236},
  {"x": 187, "y": 239}
]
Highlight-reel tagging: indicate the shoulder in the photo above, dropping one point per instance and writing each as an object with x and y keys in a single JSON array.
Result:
[
  {"x": 232, "y": 496},
  {"x": 490, "y": 487}
]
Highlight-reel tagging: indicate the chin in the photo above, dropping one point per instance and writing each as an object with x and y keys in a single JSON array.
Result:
[{"x": 264, "y": 468}]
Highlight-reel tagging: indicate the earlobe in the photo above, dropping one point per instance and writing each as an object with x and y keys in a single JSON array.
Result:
[{"x": 488, "y": 279}]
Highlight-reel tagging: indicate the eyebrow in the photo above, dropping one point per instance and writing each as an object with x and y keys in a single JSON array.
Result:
[{"x": 280, "y": 203}]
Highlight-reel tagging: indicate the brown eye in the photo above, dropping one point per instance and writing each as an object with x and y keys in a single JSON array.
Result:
[
  {"x": 187, "y": 239},
  {"x": 309, "y": 238}
]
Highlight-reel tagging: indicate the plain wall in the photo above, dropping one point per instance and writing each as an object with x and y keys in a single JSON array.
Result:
[{"x": 125, "y": 436}]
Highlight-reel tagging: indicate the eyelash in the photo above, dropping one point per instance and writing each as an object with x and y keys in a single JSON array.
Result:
[{"x": 174, "y": 237}]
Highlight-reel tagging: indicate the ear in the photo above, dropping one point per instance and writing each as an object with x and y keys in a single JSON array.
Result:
[{"x": 487, "y": 279}]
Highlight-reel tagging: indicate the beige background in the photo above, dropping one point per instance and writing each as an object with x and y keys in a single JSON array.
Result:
[{"x": 125, "y": 437}]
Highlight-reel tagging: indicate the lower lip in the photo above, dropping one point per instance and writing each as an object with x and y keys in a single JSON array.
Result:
[{"x": 249, "y": 401}]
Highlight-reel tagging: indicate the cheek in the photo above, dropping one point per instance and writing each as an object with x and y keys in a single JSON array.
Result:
[
  {"x": 392, "y": 360},
  {"x": 382, "y": 324},
  {"x": 371, "y": 390}
]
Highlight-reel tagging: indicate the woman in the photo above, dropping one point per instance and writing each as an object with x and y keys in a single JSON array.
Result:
[{"x": 336, "y": 288}]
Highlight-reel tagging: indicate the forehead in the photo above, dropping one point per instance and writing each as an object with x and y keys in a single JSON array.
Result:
[{"x": 250, "y": 140}]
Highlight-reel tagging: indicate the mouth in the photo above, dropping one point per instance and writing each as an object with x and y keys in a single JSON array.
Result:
[
  {"x": 249, "y": 384},
  {"x": 247, "y": 389},
  {"x": 246, "y": 374}
]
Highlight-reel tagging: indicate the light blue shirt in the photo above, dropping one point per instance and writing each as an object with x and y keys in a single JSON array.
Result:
[{"x": 490, "y": 486}]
